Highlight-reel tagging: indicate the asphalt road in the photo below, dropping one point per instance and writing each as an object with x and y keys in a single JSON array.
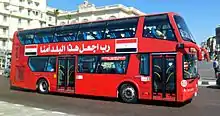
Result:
[{"x": 207, "y": 103}]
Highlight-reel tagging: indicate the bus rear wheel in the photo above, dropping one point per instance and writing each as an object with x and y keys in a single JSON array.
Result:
[
  {"x": 42, "y": 86},
  {"x": 128, "y": 93}
]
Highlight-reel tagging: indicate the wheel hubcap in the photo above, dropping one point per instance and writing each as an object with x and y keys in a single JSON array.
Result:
[
  {"x": 43, "y": 86},
  {"x": 129, "y": 93}
]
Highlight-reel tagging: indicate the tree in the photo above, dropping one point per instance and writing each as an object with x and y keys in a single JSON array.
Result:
[
  {"x": 69, "y": 17},
  {"x": 56, "y": 13}
]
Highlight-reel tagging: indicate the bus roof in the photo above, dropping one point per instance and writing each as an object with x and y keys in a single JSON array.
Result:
[{"x": 53, "y": 27}]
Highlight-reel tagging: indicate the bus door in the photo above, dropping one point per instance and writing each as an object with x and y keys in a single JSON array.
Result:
[
  {"x": 66, "y": 74},
  {"x": 164, "y": 77}
]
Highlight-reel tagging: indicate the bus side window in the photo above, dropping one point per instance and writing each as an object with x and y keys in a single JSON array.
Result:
[
  {"x": 87, "y": 64},
  {"x": 107, "y": 66},
  {"x": 44, "y": 37},
  {"x": 144, "y": 64},
  {"x": 65, "y": 36},
  {"x": 42, "y": 64},
  {"x": 65, "y": 33},
  {"x": 26, "y": 38},
  {"x": 91, "y": 31},
  {"x": 158, "y": 27},
  {"x": 51, "y": 65},
  {"x": 123, "y": 28},
  {"x": 37, "y": 64}
]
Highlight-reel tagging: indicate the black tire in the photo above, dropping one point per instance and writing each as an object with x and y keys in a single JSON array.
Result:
[
  {"x": 42, "y": 86},
  {"x": 128, "y": 93}
]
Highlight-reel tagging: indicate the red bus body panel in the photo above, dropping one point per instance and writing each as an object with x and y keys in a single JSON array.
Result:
[{"x": 95, "y": 84}]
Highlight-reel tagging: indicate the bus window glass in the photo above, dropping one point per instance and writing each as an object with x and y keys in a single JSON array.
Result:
[
  {"x": 190, "y": 66},
  {"x": 65, "y": 36},
  {"x": 26, "y": 38},
  {"x": 123, "y": 28},
  {"x": 91, "y": 31},
  {"x": 44, "y": 35},
  {"x": 37, "y": 64},
  {"x": 43, "y": 38},
  {"x": 51, "y": 65},
  {"x": 184, "y": 31},
  {"x": 66, "y": 33},
  {"x": 113, "y": 65},
  {"x": 87, "y": 64},
  {"x": 144, "y": 64},
  {"x": 158, "y": 27}
]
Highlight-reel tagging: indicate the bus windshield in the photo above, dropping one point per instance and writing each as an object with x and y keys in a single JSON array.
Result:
[
  {"x": 190, "y": 66},
  {"x": 183, "y": 29}
]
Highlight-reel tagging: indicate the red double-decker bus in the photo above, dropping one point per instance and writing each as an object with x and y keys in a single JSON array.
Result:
[{"x": 152, "y": 57}]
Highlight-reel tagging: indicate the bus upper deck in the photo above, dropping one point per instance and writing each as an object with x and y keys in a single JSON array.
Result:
[{"x": 161, "y": 32}]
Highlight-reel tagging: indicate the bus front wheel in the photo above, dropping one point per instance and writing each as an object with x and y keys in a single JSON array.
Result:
[
  {"x": 42, "y": 86},
  {"x": 128, "y": 93}
]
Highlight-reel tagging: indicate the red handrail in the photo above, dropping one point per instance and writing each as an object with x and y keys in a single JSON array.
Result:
[
  {"x": 199, "y": 50},
  {"x": 192, "y": 45}
]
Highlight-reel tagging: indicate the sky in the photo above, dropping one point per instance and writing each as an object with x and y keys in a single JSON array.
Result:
[{"x": 201, "y": 16}]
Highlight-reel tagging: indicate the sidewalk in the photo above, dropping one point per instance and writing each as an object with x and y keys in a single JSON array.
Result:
[{"x": 9, "y": 109}]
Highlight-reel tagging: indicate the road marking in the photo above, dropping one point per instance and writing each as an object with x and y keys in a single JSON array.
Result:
[
  {"x": 61, "y": 113},
  {"x": 38, "y": 109},
  {"x": 5, "y": 106},
  {"x": 2, "y": 102},
  {"x": 18, "y": 105}
]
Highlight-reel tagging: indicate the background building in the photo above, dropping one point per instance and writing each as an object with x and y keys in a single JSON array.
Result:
[
  {"x": 89, "y": 12},
  {"x": 217, "y": 41},
  {"x": 18, "y": 15},
  {"x": 26, "y": 14},
  {"x": 212, "y": 44},
  {"x": 52, "y": 16}
]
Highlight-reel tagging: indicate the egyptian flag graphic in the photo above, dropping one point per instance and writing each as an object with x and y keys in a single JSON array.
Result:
[
  {"x": 126, "y": 45},
  {"x": 30, "y": 50}
]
